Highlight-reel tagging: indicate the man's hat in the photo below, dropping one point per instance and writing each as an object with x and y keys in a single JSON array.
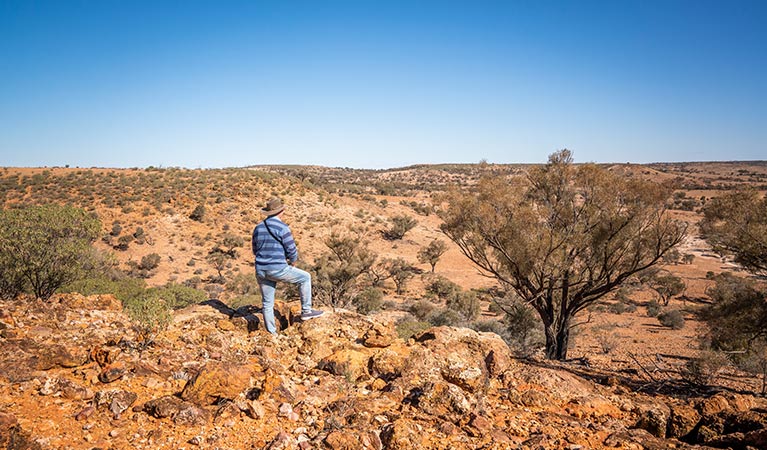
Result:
[{"x": 273, "y": 207}]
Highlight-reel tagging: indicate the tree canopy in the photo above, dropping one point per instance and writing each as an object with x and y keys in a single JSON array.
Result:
[
  {"x": 43, "y": 248},
  {"x": 563, "y": 236},
  {"x": 736, "y": 224}
]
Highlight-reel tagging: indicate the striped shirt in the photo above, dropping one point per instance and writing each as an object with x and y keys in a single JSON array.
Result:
[{"x": 271, "y": 253}]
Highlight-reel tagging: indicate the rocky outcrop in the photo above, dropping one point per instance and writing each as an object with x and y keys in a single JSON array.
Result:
[{"x": 75, "y": 374}]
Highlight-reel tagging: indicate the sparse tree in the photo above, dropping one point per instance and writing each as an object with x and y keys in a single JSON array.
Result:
[
  {"x": 432, "y": 253},
  {"x": 218, "y": 260},
  {"x": 664, "y": 283},
  {"x": 736, "y": 224},
  {"x": 562, "y": 237},
  {"x": 229, "y": 245},
  {"x": 337, "y": 273},
  {"x": 400, "y": 271},
  {"x": 737, "y": 322},
  {"x": 400, "y": 225},
  {"x": 198, "y": 213},
  {"x": 45, "y": 247}
]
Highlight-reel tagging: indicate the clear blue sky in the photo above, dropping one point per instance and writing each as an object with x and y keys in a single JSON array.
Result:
[{"x": 377, "y": 84}]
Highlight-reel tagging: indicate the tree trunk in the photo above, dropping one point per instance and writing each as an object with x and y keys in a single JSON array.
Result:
[{"x": 556, "y": 342}]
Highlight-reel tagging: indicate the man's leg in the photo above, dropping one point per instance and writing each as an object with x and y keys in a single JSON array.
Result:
[
  {"x": 267, "y": 299},
  {"x": 304, "y": 281}
]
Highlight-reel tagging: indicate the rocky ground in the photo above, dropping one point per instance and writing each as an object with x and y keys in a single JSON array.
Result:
[{"x": 75, "y": 377}]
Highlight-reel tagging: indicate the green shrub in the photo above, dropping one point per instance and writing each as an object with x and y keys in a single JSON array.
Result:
[
  {"x": 369, "y": 300},
  {"x": 524, "y": 332},
  {"x": 123, "y": 289},
  {"x": 123, "y": 242},
  {"x": 45, "y": 247},
  {"x": 464, "y": 303},
  {"x": 400, "y": 271},
  {"x": 149, "y": 312},
  {"x": 178, "y": 296},
  {"x": 446, "y": 317},
  {"x": 653, "y": 308},
  {"x": 399, "y": 226},
  {"x": 116, "y": 229},
  {"x": 422, "y": 309},
  {"x": 672, "y": 319},
  {"x": 338, "y": 273},
  {"x": 432, "y": 253},
  {"x": 244, "y": 300},
  {"x": 489, "y": 326},
  {"x": 621, "y": 307},
  {"x": 408, "y": 327},
  {"x": 150, "y": 261},
  {"x": 242, "y": 284},
  {"x": 442, "y": 287}
]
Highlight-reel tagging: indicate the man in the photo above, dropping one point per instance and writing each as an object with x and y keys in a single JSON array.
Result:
[{"x": 276, "y": 253}]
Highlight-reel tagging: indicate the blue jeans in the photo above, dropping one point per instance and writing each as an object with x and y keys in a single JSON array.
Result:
[{"x": 267, "y": 281}]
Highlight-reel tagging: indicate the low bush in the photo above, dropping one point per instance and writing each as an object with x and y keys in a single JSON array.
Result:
[
  {"x": 621, "y": 307},
  {"x": 673, "y": 319},
  {"x": 400, "y": 225},
  {"x": 446, "y": 317},
  {"x": 149, "y": 312},
  {"x": 242, "y": 284},
  {"x": 653, "y": 308},
  {"x": 422, "y": 309},
  {"x": 704, "y": 368},
  {"x": 464, "y": 303},
  {"x": 179, "y": 296},
  {"x": 150, "y": 261},
  {"x": 407, "y": 327},
  {"x": 369, "y": 300}
]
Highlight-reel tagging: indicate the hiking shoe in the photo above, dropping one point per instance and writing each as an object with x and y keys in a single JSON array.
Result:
[{"x": 314, "y": 313}]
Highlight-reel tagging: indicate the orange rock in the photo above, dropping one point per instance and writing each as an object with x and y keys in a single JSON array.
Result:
[
  {"x": 350, "y": 363},
  {"x": 379, "y": 335},
  {"x": 216, "y": 381},
  {"x": 113, "y": 372}
]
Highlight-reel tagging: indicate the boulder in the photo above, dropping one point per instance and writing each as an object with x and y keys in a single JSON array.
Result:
[
  {"x": 486, "y": 351},
  {"x": 191, "y": 415},
  {"x": 682, "y": 421},
  {"x": 47, "y": 357},
  {"x": 387, "y": 363},
  {"x": 166, "y": 406},
  {"x": 217, "y": 381},
  {"x": 751, "y": 439},
  {"x": 113, "y": 372},
  {"x": 653, "y": 417},
  {"x": 402, "y": 434},
  {"x": 347, "y": 362},
  {"x": 725, "y": 402},
  {"x": 121, "y": 401},
  {"x": 467, "y": 377},
  {"x": 321, "y": 338},
  {"x": 379, "y": 336},
  {"x": 353, "y": 440},
  {"x": 443, "y": 399}
]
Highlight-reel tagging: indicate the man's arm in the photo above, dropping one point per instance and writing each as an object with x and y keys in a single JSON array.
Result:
[{"x": 289, "y": 244}]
